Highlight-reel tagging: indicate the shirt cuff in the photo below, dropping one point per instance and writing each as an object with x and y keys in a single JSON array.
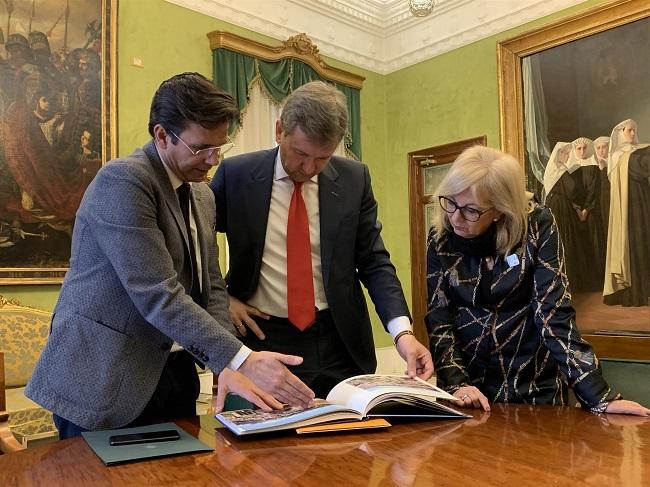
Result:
[
  {"x": 239, "y": 357},
  {"x": 398, "y": 325}
]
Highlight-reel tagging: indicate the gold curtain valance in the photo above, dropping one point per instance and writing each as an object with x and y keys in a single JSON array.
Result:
[{"x": 298, "y": 47}]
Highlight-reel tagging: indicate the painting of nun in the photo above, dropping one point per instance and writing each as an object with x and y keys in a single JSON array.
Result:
[
  {"x": 601, "y": 147},
  {"x": 586, "y": 203},
  {"x": 578, "y": 78},
  {"x": 560, "y": 189},
  {"x": 627, "y": 267}
]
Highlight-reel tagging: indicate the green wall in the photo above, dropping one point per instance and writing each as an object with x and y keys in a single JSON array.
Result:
[{"x": 451, "y": 97}]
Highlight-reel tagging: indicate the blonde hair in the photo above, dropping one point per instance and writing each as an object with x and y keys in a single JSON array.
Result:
[{"x": 497, "y": 180}]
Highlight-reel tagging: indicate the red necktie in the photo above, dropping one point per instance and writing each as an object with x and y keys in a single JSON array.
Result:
[{"x": 300, "y": 284}]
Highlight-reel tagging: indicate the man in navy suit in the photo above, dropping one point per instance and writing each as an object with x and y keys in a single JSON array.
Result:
[{"x": 258, "y": 196}]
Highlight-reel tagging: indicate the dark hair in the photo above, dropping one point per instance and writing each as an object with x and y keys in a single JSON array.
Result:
[{"x": 190, "y": 97}]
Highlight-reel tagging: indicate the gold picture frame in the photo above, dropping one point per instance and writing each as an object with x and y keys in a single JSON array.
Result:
[
  {"x": 56, "y": 129},
  {"x": 510, "y": 55}
]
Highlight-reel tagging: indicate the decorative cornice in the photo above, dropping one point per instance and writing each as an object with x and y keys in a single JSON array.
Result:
[
  {"x": 299, "y": 46},
  {"x": 378, "y": 35}
]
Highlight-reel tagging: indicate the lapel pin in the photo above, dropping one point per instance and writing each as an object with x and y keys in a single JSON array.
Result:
[{"x": 512, "y": 260}]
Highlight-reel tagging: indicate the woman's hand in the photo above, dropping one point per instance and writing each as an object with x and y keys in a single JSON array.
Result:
[
  {"x": 622, "y": 406},
  {"x": 471, "y": 397}
]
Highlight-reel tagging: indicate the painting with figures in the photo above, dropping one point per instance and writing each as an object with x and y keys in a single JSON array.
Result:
[
  {"x": 587, "y": 138},
  {"x": 52, "y": 127}
]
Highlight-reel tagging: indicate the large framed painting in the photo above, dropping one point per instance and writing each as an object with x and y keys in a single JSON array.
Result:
[
  {"x": 575, "y": 109},
  {"x": 57, "y": 126}
]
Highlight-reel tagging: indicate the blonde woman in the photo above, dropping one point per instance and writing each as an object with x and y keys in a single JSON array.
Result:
[{"x": 500, "y": 320}]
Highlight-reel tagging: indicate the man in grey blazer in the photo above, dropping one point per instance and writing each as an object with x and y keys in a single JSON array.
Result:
[
  {"x": 144, "y": 298},
  {"x": 260, "y": 197}
]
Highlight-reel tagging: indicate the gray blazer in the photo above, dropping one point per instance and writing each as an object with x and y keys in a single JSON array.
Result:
[{"x": 123, "y": 301}]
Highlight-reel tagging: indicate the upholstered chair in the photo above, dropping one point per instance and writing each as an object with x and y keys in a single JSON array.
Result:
[{"x": 23, "y": 333}]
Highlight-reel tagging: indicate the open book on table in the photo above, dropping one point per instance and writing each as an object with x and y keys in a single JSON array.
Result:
[{"x": 354, "y": 399}]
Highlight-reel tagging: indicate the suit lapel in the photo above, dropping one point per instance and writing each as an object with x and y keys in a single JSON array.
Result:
[
  {"x": 204, "y": 236},
  {"x": 330, "y": 201},
  {"x": 171, "y": 199},
  {"x": 258, "y": 199}
]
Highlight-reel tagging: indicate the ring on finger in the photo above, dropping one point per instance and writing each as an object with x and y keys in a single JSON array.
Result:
[{"x": 464, "y": 396}]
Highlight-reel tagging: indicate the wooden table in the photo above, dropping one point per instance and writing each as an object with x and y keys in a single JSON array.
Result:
[{"x": 512, "y": 445}]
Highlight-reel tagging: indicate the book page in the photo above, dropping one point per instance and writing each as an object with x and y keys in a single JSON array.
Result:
[{"x": 362, "y": 392}]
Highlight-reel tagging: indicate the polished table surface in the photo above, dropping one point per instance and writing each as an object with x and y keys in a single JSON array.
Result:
[{"x": 511, "y": 445}]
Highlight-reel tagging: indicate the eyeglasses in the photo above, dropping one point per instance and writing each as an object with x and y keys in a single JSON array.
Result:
[
  {"x": 208, "y": 151},
  {"x": 468, "y": 213}
]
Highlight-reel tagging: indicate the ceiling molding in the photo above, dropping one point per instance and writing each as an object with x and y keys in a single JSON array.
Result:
[{"x": 378, "y": 35}]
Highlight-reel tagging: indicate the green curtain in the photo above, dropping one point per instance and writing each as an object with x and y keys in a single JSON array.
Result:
[{"x": 234, "y": 73}]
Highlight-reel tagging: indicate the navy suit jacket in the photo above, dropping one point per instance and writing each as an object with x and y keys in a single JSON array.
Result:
[{"x": 352, "y": 251}]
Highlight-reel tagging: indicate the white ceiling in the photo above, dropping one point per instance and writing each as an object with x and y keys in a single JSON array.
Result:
[{"x": 378, "y": 35}]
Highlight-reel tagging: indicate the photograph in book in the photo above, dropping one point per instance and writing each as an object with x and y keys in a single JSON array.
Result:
[
  {"x": 256, "y": 416},
  {"x": 368, "y": 382},
  {"x": 354, "y": 399}
]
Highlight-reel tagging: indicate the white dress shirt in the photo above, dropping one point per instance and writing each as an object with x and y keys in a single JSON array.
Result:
[
  {"x": 270, "y": 296},
  {"x": 271, "y": 293}
]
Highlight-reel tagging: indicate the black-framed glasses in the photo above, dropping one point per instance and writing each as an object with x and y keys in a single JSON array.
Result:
[
  {"x": 208, "y": 151},
  {"x": 467, "y": 212}
]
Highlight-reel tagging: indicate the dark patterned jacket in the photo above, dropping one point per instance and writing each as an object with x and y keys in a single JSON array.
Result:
[{"x": 519, "y": 343}]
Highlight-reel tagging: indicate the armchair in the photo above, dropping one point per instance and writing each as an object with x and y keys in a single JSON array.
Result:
[{"x": 23, "y": 333}]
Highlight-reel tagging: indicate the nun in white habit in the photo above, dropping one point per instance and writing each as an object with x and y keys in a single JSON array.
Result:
[
  {"x": 627, "y": 265},
  {"x": 601, "y": 147},
  {"x": 559, "y": 186},
  {"x": 586, "y": 204}
]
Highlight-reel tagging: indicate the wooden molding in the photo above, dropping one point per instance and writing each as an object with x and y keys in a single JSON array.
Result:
[
  {"x": 299, "y": 47},
  {"x": 620, "y": 346}
]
